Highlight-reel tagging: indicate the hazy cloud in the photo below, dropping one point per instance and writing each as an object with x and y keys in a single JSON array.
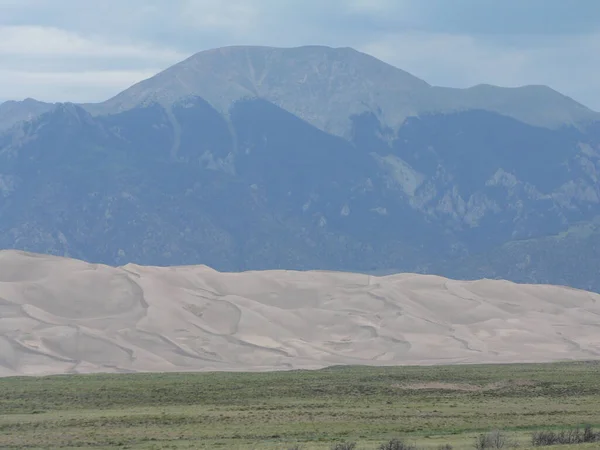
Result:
[
  {"x": 41, "y": 42},
  {"x": 83, "y": 86}
]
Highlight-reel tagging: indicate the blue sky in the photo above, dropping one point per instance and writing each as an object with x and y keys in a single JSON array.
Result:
[{"x": 86, "y": 50}]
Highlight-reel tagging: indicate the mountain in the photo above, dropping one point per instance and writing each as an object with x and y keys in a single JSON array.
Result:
[
  {"x": 13, "y": 112},
  {"x": 327, "y": 86},
  {"x": 61, "y": 315},
  {"x": 310, "y": 158}
]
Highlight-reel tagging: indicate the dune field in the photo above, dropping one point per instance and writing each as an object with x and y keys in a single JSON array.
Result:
[{"x": 60, "y": 315}]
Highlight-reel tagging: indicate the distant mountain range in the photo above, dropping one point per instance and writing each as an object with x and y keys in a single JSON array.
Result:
[{"x": 309, "y": 158}]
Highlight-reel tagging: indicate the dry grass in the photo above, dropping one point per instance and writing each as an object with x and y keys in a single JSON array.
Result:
[{"x": 312, "y": 409}]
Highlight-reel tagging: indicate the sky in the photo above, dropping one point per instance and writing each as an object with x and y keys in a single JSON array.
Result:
[{"x": 89, "y": 50}]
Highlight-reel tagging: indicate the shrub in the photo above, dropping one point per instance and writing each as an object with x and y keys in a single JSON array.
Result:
[
  {"x": 396, "y": 444},
  {"x": 445, "y": 447},
  {"x": 344, "y": 446},
  {"x": 493, "y": 440},
  {"x": 590, "y": 435},
  {"x": 572, "y": 436}
]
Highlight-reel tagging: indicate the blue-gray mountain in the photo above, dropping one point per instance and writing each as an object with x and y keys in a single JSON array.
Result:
[{"x": 255, "y": 158}]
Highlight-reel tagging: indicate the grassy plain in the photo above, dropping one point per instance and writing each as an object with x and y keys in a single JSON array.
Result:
[{"x": 428, "y": 406}]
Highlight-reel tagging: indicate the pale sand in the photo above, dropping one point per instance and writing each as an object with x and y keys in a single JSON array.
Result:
[{"x": 60, "y": 315}]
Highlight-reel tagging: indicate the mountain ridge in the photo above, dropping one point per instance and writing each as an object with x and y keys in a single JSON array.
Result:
[
  {"x": 402, "y": 94},
  {"x": 228, "y": 74}
]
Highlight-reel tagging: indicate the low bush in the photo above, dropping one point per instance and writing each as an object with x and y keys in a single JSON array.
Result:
[
  {"x": 572, "y": 436},
  {"x": 344, "y": 446},
  {"x": 493, "y": 440},
  {"x": 397, "y": 444}
]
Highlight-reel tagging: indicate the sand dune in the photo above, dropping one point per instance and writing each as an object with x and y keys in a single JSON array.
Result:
[{"x": 60, "y": 315}]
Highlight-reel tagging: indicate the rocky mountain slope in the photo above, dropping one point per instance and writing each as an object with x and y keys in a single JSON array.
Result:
[
  {"x": 65, "y": 316},
  {"x": 310, "y": 158}
]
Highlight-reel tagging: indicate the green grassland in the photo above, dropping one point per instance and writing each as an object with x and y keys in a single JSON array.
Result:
[{"x": 428, "y": 406}]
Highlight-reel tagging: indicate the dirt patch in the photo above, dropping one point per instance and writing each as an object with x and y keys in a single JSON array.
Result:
[
  {"x": 439, "y": 386},
  {"x": 510, "y": 384}
]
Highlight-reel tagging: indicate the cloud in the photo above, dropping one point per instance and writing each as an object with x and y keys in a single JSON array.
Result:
[
  {"x": 447, "y": 59},
  {"x": 376, "y": 7},
  {"x": 37, "y": 41},
  {"x": 520, "y": 17},
  {"x": 233, "y": 16},
  {"x": 57, "y": 65},
  {"x": 86, "y": 86},
  {"x": 464, "y": 60}
]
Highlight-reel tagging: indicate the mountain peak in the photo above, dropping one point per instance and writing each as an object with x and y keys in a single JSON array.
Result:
[
  {"x": 322, "y": 85},
  {"x": 326, "y": 86}
]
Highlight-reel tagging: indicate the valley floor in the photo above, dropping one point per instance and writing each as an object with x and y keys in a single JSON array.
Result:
[{"x": 428, "y": 406}]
